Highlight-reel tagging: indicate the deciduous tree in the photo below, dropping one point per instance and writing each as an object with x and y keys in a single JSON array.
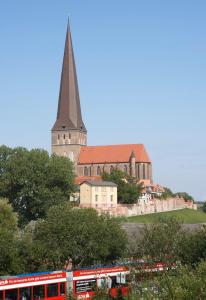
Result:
[
  {"x": 161, "y": 240},
  {"x": 79, "y": 234},
  {"x": 9, "y": 256},
  {"x": 33, "y": 181},
  {"x": 127, "y": 190}
]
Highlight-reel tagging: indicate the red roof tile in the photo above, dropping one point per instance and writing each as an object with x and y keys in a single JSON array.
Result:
[
  {"x": 80, "y": 179},
  {"x": 112, "y": 154}
]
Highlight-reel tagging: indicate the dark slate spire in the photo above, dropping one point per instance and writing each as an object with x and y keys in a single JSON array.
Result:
[{"x": 69, "y": 111}]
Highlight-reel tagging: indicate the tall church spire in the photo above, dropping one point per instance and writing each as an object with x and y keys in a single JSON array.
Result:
[
  {"x": 68, "y": 132},
  {"x": 69, "y": 111}
]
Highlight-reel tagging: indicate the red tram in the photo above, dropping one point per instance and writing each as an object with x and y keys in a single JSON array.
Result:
[{"x": 81, "y": 284}]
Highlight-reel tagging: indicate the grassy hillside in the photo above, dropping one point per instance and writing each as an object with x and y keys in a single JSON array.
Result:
[{"x": 187, "y": 216}]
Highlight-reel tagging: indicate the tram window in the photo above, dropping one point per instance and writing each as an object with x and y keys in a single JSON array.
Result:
[
  {"x": 52, "y": 290},
  {"x": 11, "y": 294},
  {"x": 38, "y": 292},
  {"x": 114, "y": 281},
  {"x": 62, "y": 288},
  {"x": 25, "y": 293},
  {"x": 1, "y": 295}
]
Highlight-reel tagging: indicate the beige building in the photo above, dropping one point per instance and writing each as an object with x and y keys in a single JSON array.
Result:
[
  {"x": 69, "y": 134},
  {"x": 101, "y": 195}
]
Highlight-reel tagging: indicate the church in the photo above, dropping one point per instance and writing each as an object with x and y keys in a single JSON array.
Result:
[{"x": 69, "y": 134}]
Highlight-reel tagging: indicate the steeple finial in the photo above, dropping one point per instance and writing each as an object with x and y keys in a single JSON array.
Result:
[{"x": 68, "y": 24}]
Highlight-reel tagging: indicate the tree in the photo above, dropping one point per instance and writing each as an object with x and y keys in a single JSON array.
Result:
[
  {"x": 185, "y": 196},
  {"x": 128, "y": 191},
  {"x": 76, "y": 233},
  {"x": 204, "y": 207},
  {"x": 33, "y": 181},
  {"x": 160, "y": 241},
  {"x": 193, "y": 249},
  {"x": 167, "y": 193},
  {"x": 183, "y": 283},
  {"x": 9, "y": 258}
]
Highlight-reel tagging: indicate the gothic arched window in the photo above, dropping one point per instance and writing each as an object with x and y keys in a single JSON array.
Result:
[
  {"x": 138, "y": 171},
  {"x": 111, "y": 169},
  {"x": 85, "y": 171},
  {"x": 98, "y": 170},
  {"x": 144, "y": 173}
]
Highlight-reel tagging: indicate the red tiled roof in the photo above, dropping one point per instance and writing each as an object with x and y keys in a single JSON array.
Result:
[
  {"x": 145, "y": 182},
  {"x": 112, "y": 154},
  {"x": 78, "y": 180}
]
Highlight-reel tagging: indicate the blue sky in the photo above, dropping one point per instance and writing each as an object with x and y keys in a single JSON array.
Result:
[{"x": 142, "y": 78}]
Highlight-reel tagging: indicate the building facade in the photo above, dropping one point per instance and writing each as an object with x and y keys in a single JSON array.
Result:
[
  {"x": 100, "y": 195},
  {"x": 69, "y": 134}
]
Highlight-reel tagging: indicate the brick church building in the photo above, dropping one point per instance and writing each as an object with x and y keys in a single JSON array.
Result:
[{"x": 69, "y": 134}]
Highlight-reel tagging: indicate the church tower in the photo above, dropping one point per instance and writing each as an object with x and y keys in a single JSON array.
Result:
[{"x": 68, "y": 132}]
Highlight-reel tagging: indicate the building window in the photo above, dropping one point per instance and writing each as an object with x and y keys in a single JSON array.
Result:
[
  {"x": 144, "y": 173},
  {"x": 125, "y": 168},
  {"x": 98, "y": 170},
  {"x": 96, "y": 197},
  {"x": 69, "y": 135},
  {"x": 58, "y": 137},
  {"x": 111, "y": 198},
  {"x": 111, "y": 169},
  {"x": 85, "y": 171},
  {"x": 138, "y": 171},
  {"x": 148, "y": 171},
  {"x": 64, "y": 136}
]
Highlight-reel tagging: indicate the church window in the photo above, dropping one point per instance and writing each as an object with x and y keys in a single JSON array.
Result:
[
  {"x": 144, "y": 173},
  {"x": 98, "y": 170},
  {"x": 85, "y": 171},
  {"x": 89, "y": 171},
  {"x": 148, "y": 171},
  {"x": 138, "y": 172},
  {"x": 111, "y": 169}
]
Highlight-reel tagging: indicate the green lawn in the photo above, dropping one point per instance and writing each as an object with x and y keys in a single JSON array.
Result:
[{"x": 187, "y": 216}]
